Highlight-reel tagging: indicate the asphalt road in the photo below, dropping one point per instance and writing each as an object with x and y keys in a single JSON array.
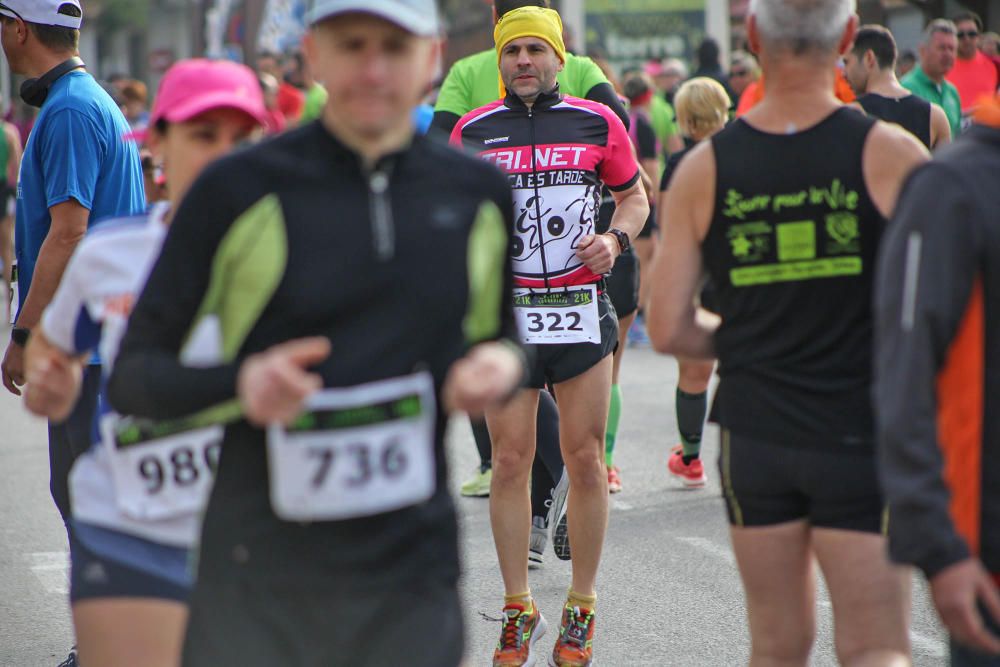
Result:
[{"x": 669, "y": 591}]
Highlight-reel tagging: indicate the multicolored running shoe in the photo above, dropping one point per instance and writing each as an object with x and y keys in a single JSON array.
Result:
[
  {"x": 521, "y": 631},
  {"x": 575, "y": 646}
]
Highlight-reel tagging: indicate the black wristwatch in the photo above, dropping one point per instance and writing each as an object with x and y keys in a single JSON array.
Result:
[
  {"x": 20, "y": 335},
  {"x": 624, "y": 242}
]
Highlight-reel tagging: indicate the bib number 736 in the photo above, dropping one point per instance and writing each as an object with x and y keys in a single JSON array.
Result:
[{"x": 356, "y": 451}]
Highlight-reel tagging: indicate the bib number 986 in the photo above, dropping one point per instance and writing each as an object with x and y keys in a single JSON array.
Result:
[
  {"x": 182, "y": 467},
  {"x": 160, "y": 473}
]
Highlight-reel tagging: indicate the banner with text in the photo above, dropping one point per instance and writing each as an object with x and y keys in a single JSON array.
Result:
[{"x": 632, "y": 32}]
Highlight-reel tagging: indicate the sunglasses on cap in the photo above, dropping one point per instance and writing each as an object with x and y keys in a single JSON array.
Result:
[{"x": 971, "y": 34}]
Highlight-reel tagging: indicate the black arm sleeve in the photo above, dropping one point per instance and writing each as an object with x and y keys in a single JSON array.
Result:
[
  {"x": 606, "y": 95},
  {"x": 508, "y": 325},
  {"x": 445, "y": 121},
  {"x": 926, "y": 270},
  {"x": 148, "y": 379},
  {"x": 646, "y": 139}
]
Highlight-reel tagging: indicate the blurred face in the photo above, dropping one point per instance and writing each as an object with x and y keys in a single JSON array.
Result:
[
  {"x": 528, "y": 67},
  {"x": 938, "y": 57},
  {"x": 269, "y": 65},
  {"x": 968, "y": 35},
  {"x": 13, "y": 34},
  {"x": 988, "y": 45},
  {"x": 857, "y": 70},
  {"x": 668, "y": 81},
  {"x": 187, "y": 148},
  {"x": 374, "y": 71},
  {"x": 740, "y": 77}
]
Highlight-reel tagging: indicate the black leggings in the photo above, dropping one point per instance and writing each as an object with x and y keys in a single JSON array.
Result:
[
  {"x": 547, "y": 467},
  {"x": 72, "y": 437}
]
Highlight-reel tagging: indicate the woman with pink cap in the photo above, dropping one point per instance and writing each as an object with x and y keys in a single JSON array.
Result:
[{"x": 137, "y": 494}]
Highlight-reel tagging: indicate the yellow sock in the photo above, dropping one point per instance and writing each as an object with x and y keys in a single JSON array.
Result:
[
  {"x": 583, "y": 601},
  {"x": 521, "y": 599}
]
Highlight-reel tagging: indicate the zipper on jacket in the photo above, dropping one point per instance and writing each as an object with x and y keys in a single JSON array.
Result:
[
  {"x": 538, "y": 207},
  {"x": 380, "y": 213}
]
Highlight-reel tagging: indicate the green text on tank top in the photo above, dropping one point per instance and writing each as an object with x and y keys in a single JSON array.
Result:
[
  {"x": 791, "y": 250},
  {"x": 810, "y": 232}
]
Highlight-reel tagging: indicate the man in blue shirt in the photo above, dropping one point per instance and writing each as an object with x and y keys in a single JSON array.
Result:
[{"x": 77, "y": 169}]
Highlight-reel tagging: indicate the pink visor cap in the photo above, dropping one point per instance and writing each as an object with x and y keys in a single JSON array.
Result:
[{"x": 192, "y": 87}]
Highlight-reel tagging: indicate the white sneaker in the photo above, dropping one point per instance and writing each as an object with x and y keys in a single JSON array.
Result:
[
  {"x": 536, "y": 545},
  {"x": 557, "y": 518}
]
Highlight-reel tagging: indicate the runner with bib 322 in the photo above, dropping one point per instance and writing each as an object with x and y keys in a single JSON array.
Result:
[{"x": 557, "y": 152}]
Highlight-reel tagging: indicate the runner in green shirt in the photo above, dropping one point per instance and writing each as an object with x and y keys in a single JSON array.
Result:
[
  {"x": 664, "y": 121},
  {"x": 315, "y": 101},
  {"x": 926, "y": 80}
]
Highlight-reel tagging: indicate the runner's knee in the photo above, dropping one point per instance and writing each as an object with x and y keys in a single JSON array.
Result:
[{"x": 511, "y": 463}]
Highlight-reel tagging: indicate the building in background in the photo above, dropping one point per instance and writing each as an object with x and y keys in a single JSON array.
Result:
[{"x": 142, "y": 38}]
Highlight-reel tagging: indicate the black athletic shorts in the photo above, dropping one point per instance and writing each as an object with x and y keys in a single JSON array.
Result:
[
  {"x": 766, "y": 484},
  {"x": 623, "y": 284},
  {"x": 553, "y": 364},
  {"x": 651, "y": 224},
  {"x": 70, "y": 438},
  {"x": 297, "y": 620},
  {"x": 94, "y": 576}
]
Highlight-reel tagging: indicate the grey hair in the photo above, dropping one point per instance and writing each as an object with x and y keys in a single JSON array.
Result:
[
  {"x": 677, "y": 66},
  {"x": 938, "y": 25},
  {"x": 803, "y": 26}
]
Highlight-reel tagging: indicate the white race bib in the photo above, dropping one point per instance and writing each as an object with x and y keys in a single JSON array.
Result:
[
  {"x": 356, "y": 451},
  {"x": 558, "y": 315},
  {"x": 159, "y": 472}
]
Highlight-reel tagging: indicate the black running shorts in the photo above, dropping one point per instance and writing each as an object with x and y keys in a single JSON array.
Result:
[
  {"x": 298, "y": 621},
  {"x": 650, "y": 226},
  {"x": 765, "y": 484},
  {"x": 623, "y": 284},
  {"x": 553, "y": 364}
]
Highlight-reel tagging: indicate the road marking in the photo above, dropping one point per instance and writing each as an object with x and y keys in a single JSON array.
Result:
[
  {"x": 621, "y": 505},
  {"x": 710, "y": 547},
  {"x": 51, "y": 568},
  {"x": 932, "y": 647},
  {"x": 928, "y": 645}
]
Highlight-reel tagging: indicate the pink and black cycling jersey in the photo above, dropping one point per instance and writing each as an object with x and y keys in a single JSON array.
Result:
[{"x": 556, "y": 155}]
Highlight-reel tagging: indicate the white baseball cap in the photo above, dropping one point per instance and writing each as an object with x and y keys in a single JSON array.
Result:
[
  {"x": 45, "y": 12},
  {"x": 419, "y": 17}
]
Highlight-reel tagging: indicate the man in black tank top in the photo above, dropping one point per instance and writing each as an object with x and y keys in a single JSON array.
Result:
[
  {"x": 870, "y": 68},
  {"x": 790, "y": 246}
]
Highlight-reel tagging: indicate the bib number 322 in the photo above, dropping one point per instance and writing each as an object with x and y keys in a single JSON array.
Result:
[
  {"x": 558, "y": 315},
  {"x": 356, "y": 451}
]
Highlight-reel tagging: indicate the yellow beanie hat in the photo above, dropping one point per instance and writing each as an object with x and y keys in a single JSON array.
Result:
[{"x": 530, "y": 22}]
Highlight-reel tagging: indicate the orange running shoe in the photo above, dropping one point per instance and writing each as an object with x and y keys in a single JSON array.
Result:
[
  {"x": 692, "y": 474},
  {"x": 575, "y": 646},
  {"x": 521, "y": 631},
  {"x": 614, "y": 480}
]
